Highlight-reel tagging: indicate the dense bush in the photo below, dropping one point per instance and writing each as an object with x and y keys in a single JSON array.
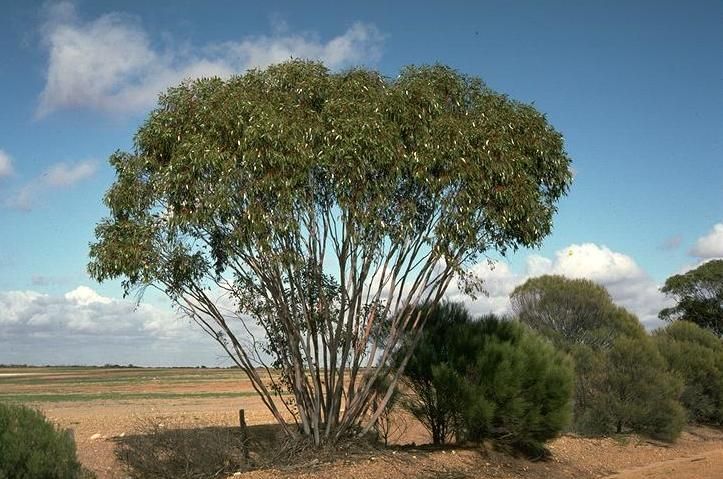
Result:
[
  {"x": 437, "y": 399},
  {"x": 631, "y": 391},
  {"x": 488, "y": 378},
  {"x": 696, "y": 355},
  {"x": 622, "y": 384},
  {"x": 32, "y": 448},
  {"x": 525, "y": 382}
]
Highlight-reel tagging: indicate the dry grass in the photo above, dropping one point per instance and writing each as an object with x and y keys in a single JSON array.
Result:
[{"x": 164, "y": 448}]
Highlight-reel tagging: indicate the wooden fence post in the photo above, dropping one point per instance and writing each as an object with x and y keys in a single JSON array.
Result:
[{"x": 244, "y": 433}]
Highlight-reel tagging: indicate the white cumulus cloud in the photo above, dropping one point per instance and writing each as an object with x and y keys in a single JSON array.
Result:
[
  {"x": 710, "y": 246},
  {"x": 110, "y": 63},
  {"x": 83, "y": 296},
  {"x": 594, "y": 262},
  {"x": 81, "y": 310},
  {"x": 629, "y": 285}
]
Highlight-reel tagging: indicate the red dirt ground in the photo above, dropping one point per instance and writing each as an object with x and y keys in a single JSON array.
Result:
[{"x": 698, "y": 454}]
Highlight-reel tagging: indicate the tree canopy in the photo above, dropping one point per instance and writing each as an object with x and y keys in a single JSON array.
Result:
[
  {"x": 323, "y": 206},
  {"x": 699, "y": 296},
  {"x": 569, "y": 311}
]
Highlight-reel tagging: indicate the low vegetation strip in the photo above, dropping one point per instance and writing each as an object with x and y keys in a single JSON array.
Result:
[{"x": 114, "y": 396}]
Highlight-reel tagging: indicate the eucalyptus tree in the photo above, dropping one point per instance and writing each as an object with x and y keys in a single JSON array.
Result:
[
  {"x": 699, "y": 296},
  {"x": 323, "y": 207}
]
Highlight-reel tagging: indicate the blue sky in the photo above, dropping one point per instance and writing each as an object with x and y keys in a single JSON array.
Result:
[{"x": 635, "y": 87}]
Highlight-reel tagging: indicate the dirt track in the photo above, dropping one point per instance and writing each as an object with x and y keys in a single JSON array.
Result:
[{"x": 708, "y": 465}]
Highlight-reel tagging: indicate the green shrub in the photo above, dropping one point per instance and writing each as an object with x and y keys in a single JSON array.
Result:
[
  {"x": 488, "y": 379},
  {"x": 569, "y": 311},
  {"x": 698, "y": 294},
  {"x": 631, "y": 391},
  {"x": 525, "y": 383},
  {"x": 696, "y": 355},
  {"x": 437, "y": 387},
  {"x": 622, "y": 384},
  {"x": 589, "y": 367},
  {"x": 32, "y": 448}
]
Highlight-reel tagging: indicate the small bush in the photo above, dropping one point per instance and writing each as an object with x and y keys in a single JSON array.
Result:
[
  {"x": 631, "y": 391},
  {"x": 33, "y": 448},
  {"x": 438, "y": 394},
  {"x": 526, "y": 384},
  {"x": 696, "y": 355},
  {"x": 489, "y": 379}
]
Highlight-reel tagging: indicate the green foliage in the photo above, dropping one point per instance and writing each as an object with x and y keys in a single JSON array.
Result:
[
  {"x": 696, "y": 355},
  {"x": 32, "y": 448},
  {"x": 590, "y": 368},
  {"x": 302, "y": 194},
  {"x": 699, "y": 296},
  {"x": 432, "y": 371},
  {"x": 622, "y": 383},
  {"x": 488, "y": 379},
  {"x": 631, "y": 390},
  {"x": 568, "y": 311},
  {"x": 245, "y": 159},
  {"x": 525, "y": 382}
]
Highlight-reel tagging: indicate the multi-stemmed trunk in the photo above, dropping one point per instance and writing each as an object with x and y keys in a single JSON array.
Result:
[{"x": 333, "y": 343}]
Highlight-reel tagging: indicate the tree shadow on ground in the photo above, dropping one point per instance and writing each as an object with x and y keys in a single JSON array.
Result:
[{"x": 163, "y": 451}]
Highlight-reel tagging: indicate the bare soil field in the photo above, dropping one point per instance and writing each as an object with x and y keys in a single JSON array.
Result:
[{"x": 102, "y": 406}]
